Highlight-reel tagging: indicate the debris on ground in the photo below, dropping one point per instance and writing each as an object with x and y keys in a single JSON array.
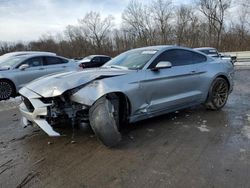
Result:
[
  {"x": 246, "y": 131},
  {"x": 150, "y": 130},
  {"x": 73, "y": 142},
  {"x": 203, "y": 128}
]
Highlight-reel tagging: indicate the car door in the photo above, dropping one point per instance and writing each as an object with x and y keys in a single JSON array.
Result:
[
  {"x": 174, "y": 87},
  {"x": 56, "y": 64},
  {"x": 34, "y": 70}
]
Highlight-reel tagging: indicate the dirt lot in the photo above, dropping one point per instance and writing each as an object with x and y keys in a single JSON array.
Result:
[{"x": 190, "y": 148}]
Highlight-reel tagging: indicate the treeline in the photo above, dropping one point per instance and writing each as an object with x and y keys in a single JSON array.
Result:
[{"x": 161, "y": 22}]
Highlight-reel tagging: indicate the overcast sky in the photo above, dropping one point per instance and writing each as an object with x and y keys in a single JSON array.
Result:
[{"x": 24, "y": 20}]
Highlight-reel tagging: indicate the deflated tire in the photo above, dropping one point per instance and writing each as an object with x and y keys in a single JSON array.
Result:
[{"x": 104, "y": 120}]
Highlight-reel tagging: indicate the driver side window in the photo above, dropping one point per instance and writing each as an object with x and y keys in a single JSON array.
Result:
[
  {"x": 180, "y": 57},
  {"x": 34, "y": 62}
]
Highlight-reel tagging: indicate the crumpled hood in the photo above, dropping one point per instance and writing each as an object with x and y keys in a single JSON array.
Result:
[{"x": 55, "y": 85}]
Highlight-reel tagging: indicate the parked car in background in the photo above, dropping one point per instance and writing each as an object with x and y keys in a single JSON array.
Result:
[
  {"x": 13, "y": 54},
  {"x": 135, "y": 85},
  {"x": 213, "y": 52},
  {"x": 17, "y": 71},
  {"x": 93, "y": 61}
]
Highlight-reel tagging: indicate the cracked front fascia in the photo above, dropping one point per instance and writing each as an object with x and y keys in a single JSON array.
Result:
[{"x": 40, "y": 109}]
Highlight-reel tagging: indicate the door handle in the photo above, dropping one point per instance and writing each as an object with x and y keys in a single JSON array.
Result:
[
  {"x": 193, "y": 72},
  {"x": 41, "y": 68},
  {"x": 64, "y": 66}
]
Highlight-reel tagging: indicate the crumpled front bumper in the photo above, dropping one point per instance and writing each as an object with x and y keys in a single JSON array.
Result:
[{"x": 36, "y": 114}]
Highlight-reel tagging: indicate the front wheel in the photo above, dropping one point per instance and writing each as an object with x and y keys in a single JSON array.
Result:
[
  {"x": 6, "y": 89},
  {"x": 218, "y": 94},
  {"x": 104, "y": 120}
]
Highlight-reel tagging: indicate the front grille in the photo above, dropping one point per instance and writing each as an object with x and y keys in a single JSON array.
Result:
[{"x": 28, "y": 104}]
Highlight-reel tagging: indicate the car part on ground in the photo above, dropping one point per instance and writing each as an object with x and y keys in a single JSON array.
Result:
[
  {"x": 18, "y": 70},
  {"x": 136, "y": 85}
]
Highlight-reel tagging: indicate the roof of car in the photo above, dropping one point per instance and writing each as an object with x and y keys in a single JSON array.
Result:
[
  {"x": 98, "y": 56},
  {"x": 158, "y": 47},
  {"x": 26, "y": 56},
  {"x": 27, "y": 52},
  {"x": 165, "y": 47},
  {"x": 205, "y": 48}
]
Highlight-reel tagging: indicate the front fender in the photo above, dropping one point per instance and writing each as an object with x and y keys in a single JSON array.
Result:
[{"x": 91, "y": 92}]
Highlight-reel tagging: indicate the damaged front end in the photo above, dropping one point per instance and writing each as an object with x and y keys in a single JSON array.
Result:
[{"x": 50, "y": 112}]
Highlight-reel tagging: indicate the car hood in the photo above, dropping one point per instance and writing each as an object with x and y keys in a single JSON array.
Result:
[
  {"x": 55, "y": 85},
  {"x": 4, "y": 68}
]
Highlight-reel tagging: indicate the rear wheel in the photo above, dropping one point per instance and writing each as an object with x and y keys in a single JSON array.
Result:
[
  {"x": 218, "y": 94},
  {"x": 104, "y": 120},
  {"x": 6, "y": 89}
]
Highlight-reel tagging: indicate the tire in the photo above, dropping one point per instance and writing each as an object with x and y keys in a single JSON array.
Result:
[
  {"x": 104, "y": 120},
  {"x": 218, "y": 94},
  {"x": 7, "y": 89}
]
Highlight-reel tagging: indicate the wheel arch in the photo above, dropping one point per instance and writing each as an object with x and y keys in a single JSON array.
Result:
[
  {"x": 121, "y": 96},
  {"x": 217, "y": 76}
]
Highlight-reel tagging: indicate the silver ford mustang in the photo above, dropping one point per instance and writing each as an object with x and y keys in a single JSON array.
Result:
[{"x": 135, "y": 85}]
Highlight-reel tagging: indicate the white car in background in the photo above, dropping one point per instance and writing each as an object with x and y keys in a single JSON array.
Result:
[
  {"x": 16, "y": 71},
  {"x": 14, "y": 54}
]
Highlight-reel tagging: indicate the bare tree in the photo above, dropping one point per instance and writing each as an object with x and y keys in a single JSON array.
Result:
[
  {"x": 183, "y": 17},
  {"x": 162, "y": 13},
  {"x": 214, "y": 10},
  {"x": 96, "y": 29},
  {"x": 156, "y": 22},
  {"x": 137, "y": 20}
]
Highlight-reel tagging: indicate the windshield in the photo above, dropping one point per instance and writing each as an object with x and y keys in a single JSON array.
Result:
[
  {"x": 3, "y": 58},
  {"x": 134, "y": 59},
  {"x": 11, "y": 61},
  {"x": 88, "y": 57}
]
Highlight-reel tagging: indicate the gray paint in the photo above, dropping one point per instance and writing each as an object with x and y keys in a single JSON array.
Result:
[{"x": 150, "y": 93}]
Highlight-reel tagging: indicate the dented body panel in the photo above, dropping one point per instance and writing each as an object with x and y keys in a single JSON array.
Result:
[{"x": 148, "y": 93}]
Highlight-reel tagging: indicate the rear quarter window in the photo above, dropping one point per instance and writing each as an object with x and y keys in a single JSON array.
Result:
[{"x": 55, "y": 61}]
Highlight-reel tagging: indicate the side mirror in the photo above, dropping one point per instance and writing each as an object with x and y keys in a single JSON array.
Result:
[
  {"x": 24, "y": 66},
  {"x": 162, "y": 65}
]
